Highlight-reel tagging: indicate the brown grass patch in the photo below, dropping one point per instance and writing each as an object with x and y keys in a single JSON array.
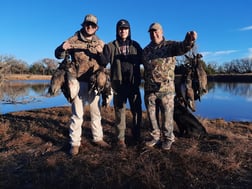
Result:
[
  {"x": 34, "y": 154},
  {"x": 27, "y": 77}
]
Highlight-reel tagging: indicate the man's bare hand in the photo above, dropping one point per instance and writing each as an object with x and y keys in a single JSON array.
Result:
[
  {"x": 99, "y": 48},
  {"x": 193, "y": 35},
  {"x": 66, "y": 46}
]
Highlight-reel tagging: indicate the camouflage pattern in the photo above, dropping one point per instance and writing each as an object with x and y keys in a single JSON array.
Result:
[
  {"x": 159, "y": 75},
  {"x": 159, "y": 65},
  {"x": 85, "y": 58},
  {"x": 83, "y": 54},
  {"x": 90, "y": 18},
  {"x": 80, "y": 62},
  {"x": 164, "y": 101}
]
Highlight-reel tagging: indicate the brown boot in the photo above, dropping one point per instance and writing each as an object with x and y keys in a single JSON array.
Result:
[
  {"x": 102, "y": 144},
  {"x": 121, "y": 144},
  {"x": 74, "y": 150}
]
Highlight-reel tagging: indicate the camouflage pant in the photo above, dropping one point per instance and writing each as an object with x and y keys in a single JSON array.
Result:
[{"x": 155, "y": 102}]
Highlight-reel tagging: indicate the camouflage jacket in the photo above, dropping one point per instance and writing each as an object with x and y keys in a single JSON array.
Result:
[
  {"x": 159, "y": 64},
  {"x": 84, "y": 56}
]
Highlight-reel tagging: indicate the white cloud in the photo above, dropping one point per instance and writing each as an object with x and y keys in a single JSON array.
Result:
[
  {"x": 217, "y": 97},
  {"x": 219, "y": 56},
  {"x": 246, "y": 28},
  {"x": 206, "y": 53},
  {"x": 217, "y": 53}
]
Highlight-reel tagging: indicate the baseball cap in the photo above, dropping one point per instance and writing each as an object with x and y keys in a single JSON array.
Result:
[
  {"x": 155, "y": 26},
  {"x": 123, "y": 24},
  {"x": 90, "y": 18}
]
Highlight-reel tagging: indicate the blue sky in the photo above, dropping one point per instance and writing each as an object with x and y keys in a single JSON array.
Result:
[{"x": 32, "y": 29}]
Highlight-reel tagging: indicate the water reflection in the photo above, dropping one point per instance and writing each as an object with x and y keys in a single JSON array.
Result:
[
  {"x": 231, "y": 101},
  {"x": 238, "y": 89},
  {"x": 21, "y": 91},
  {"x": 27, "y": 95}
]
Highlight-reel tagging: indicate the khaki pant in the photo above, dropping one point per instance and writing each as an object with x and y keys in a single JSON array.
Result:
[{"x": 76, "y": 121}]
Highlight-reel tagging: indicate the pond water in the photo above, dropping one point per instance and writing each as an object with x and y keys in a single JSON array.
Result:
[{"x": 230, "y": 101}]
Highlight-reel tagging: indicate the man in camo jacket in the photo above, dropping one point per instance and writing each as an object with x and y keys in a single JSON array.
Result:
[
  {"x": 85, "y": 49},
  {"x": 159, "y": 64}
]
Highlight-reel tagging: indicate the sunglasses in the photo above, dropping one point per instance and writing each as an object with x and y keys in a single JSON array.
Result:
[
  {"x": 123, "y": 28},
  {"x": 93, "y": 25}
]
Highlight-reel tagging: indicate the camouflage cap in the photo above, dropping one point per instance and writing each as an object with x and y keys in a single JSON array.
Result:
[
  {"x": 90, "y": 18},
  {"x": 155, "y": 26}
]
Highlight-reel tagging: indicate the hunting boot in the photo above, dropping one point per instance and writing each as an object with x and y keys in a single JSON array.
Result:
[
  {"x": 102, "y": 144},
  {"x": 166, "y": 145},
  {"x": 121, "y": 144},
  {"x": 74, "y": 150}
]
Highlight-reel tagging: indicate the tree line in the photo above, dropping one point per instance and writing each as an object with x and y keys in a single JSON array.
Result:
[{"x": 46, "y": 66}]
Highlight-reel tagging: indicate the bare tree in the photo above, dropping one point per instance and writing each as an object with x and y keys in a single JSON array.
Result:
[
  {"x": 6, "y": 65},
  {"x": 37, "y": 68},
  {"x": 50, "y": 64},
  {"x": 247, "y": 65}
]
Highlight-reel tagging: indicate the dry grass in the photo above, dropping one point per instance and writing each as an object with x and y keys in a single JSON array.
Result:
[
  {"x": 34, "y": 154},
  {"x": 27, "y": 77}
]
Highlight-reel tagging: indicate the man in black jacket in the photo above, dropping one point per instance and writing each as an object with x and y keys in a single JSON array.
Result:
[{"x": 125, "y": 56}]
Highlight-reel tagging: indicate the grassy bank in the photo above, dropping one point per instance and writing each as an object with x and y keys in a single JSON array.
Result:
[
  {"x": 231, "y": 78},
  {"x": 27, "y": 77},
  {"x": 34, "y": 154}
]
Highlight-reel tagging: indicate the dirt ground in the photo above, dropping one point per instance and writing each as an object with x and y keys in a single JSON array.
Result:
[{"x": 34, "y": 154}]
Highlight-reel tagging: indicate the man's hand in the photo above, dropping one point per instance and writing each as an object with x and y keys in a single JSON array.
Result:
[
  {"x": 193, "y": 35},
  {"x": 99, "y": 49},
  {"x": 66, "y": 45}
]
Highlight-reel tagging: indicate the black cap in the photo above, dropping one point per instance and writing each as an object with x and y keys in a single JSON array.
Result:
[{"x": 123, "y": 24}]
